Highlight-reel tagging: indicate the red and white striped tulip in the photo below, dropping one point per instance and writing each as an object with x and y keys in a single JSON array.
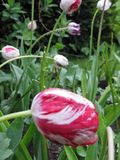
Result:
[
  {"x": 70, "y": 6},
  {"x": 65, "y": 117},
  {"x": 9, "y": 52}
]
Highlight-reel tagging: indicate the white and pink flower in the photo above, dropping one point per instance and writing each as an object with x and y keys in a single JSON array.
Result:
[
  {"x": 104, "y": 4},
  {"x": 65, "y": 117},
  {"x": 61, "y": 61},
  {"x": 32, "y": 25},
  {"x": 9, "y": 52},
  {"x": 70, "y": 6},
  {"x": 74, "y": 28}
]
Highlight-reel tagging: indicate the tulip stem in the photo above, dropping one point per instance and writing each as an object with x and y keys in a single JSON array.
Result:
[
  {"x": 52, "y": 33},
  {"x": 16, "y": 115},
  {"x": 43, "y": 71},
  {"x": 21, "y": 57},
  {"x": 46, "y": 34},
  {"x": 32, "y": 18},
  {"x": 95, "y": 63},
  {"x": 91, "y": 33}
]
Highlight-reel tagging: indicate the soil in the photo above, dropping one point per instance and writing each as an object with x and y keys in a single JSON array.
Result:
[{"x": 54, "y": 150}]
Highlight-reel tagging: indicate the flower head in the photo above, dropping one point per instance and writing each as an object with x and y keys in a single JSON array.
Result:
[
  {"x": 101, "y": 3},
  {"x": 70, "y": 6},
  {"x": 9, "y": 52},
  {"x": 61, "y": 60},
  {"x": 32, "y": 25},
  {"x": 65, "y": 117},
  {"x": 74, "y": 28}
]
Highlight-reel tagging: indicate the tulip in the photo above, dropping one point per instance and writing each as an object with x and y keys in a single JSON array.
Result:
[
  {"x": 65, "y": 117},
  {"x": 70, "y": 6},
  {"x": 32, "y": 25},
  {"x": 101, "y": 3},
  {"x": 61, "y": 60},
  {"x": 9, "y": 52},
  {"x": 74, "y": 28}
]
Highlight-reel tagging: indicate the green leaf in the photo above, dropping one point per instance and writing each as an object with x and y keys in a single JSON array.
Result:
[
  {"x": 83, "y": 83},
  {"x": 117, "y": 138},
  {"x": 70, "y": 153},
  {"x": 14, "y": 132},
  {"x": 22, "y": 153},
  {"x": 117, "y": 57},
  {"x": 5, "y": 77},
  {"x": 104, "y": 96},
  {"x": 81, "y": 151},
  {"x": 62, "y": 155},
  {"x": 5, "y": 152},
  {"x": 112, "y": 113},
  {"x": 11, "y": 2},
  {"x": 91, "y": 153}
]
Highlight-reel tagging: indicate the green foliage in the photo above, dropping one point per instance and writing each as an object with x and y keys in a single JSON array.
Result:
[
  {"x": 14, "y": 132},
  {"x": 5, "y": 150}
]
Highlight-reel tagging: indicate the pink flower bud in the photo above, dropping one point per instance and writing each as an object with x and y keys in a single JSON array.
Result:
[
  {"x": 74, "y": 28},
  {"x": 100, "y": 4},
  {"x": 65, "y": 117},
  {"x": 60, "y": 60},
  {"x": 70, "y": 6},
  {"x": 32, "y": 25},
  {"x": 9, "y": 52}
]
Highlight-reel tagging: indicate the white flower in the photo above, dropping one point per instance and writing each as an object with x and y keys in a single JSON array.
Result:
[
  {"x": 61, "y": 60},
  {"x": 9, "y": 52},
  {"x": 70, "y": 6},
  {"x": 32, "y": 25},
  {"x": 74, "y": 28},
  {"x": 100, "y": 4}
]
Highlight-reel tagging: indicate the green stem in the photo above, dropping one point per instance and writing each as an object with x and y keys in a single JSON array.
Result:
[
  {"x": 46, "y": 34},
  {"x": 95, "y": 69},
  {"x": 54, "y": 28},
  {"x": 16, "y": 115},
  {"x": 21, "y": 57},
  {"x": 91, "y": 33},
  {"x": 44, "y": 62}
]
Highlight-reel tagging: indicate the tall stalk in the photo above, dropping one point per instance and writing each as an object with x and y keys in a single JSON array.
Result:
[
  {"x": 32, "y": 18},
  {"x": 43, "y": 70},
  {"x": 91, "y": 32},
  {"x": 95, "y": 63}
]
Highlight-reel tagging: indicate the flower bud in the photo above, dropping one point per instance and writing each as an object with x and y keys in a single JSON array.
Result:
[
  {"x": 74, "y": 28},
  {"x": 32, "y": 25},
  {"x": 9, "y": 52},
  {"x": 65, "y": 117},
  {"x": 70, "y": 6},
  {"x": 61, "y": 60},
  {"x": 100, "y": 4}
]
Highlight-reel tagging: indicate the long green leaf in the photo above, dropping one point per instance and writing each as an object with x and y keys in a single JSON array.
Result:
[
  {"x": 112, "y": 114},
  {"x": 91, "y": 153},
  {"x": 70, "y": 153}
]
